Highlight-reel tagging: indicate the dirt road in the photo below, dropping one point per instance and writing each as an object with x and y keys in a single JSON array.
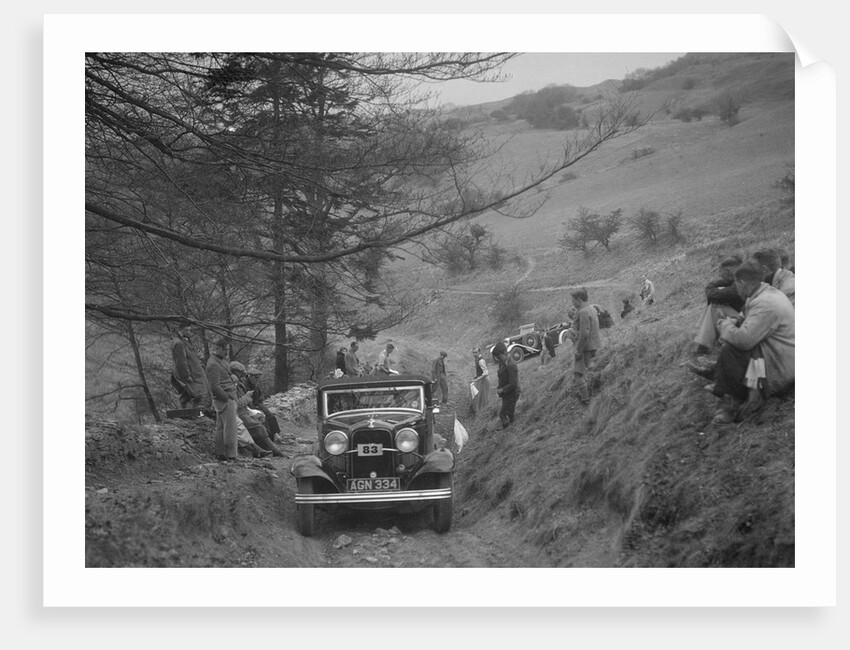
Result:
[{"x": 156, "y": 498}]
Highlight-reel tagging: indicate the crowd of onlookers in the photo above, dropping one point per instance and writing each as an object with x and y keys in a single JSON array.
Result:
[{"x": 744, "y": 344}]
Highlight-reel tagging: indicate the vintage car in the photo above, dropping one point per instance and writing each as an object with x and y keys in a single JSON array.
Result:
[
  {"x": 376, "y": 449},
  {"x": 529, "y": 342}
]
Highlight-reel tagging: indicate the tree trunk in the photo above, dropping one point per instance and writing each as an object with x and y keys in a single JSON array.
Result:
[{"x": 134, "y": 344}]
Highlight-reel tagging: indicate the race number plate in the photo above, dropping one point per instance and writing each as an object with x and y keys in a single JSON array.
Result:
[
  {"x": 372, "y": 484},
  {"x": 370, "y": 449}
]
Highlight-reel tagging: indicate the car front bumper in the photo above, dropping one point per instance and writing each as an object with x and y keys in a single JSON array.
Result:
[{"x": 375, "y": 497}]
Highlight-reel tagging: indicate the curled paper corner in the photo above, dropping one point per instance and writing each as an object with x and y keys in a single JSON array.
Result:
[{"x": 787, "y": 42}]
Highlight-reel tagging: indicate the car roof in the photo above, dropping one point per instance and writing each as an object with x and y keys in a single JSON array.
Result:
[{"x": 372, "y": 380}]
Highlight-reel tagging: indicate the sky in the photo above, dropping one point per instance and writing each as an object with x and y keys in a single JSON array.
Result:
[{"x": 533, "y": 71}]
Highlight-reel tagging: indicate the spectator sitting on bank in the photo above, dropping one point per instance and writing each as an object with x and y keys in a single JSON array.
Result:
[
  {"x": 774, "y": 275},
  {"x": 352, "y": 363},
  {"x": 627, "y": 308},
  {"x": 252, "y": 383},
  {"x": 757, "y": 358},
  {"x": 785, "y": 260},
  {"x": 722, "y": 300},
  {"x": 251, "y": 418}
]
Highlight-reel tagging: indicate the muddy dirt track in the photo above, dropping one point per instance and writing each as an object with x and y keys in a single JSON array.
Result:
[{"x": 156, "y": 498}]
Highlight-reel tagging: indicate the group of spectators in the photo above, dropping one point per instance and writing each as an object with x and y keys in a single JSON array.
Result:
[
  {"x": 242, "y": 420},
  {"x": 348, "y": 363},
  {"x": 745, "y": 338}
]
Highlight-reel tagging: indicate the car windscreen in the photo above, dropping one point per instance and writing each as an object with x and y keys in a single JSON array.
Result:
[{"x": 408, "y": 398}]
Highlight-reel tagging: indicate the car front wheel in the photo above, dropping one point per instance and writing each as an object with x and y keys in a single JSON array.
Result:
[
  {"x": 305, "y": 510},
  {"x": 517, "y": 354},
  {"x": 443, "y": 508}
]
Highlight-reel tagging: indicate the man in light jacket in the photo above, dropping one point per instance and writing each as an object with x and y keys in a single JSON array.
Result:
[{"x": 758, "y": 350}]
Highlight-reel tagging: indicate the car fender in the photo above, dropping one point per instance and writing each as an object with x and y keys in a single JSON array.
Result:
[
  {"x": 309, "y": 466},
  {"x": 439, "y": 461}
]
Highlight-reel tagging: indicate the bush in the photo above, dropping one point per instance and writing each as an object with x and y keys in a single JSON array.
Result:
[
  {"x": 509, "y": 307},
  {"x": 689, "y": 83},
  {"x": 648, "y": 225},
  {"x": 500, "y": 115},
  {"x": 568, "y": 176},
  {"x": 633, "y": 119},
  {"x": 674, "y": 222},
  {"x": 727, "y": 106},
  {"x": 589, "y": 227},
  {"x": 786, "y": 185},
  {"x": 640, "y": 153},
  {"x": 688, "y": 114}
]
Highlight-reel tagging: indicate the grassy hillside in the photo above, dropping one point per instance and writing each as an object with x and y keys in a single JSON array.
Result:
[{"x": 640, "y": 477}]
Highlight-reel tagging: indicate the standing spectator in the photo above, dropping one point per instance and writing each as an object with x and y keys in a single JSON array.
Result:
[
  {"x": 757, "y": 358},
  {"x": 340, "y": 360},
  {"x": 188, "y": 376},
  {"x": 722, "y": 300},
  {"x": 439, "y": 377},
  {"x": 252, "y": 383},
  {"x": 770, "y": 261},
  {"x": 352, "y": 363},
  {"x": 481, "y": 382},
  {"x": 382, "y": 367},
  {"x": 548, "y": 341},
  {"x": 647, "y": 293},
  {"x": 586, "y": 341},
  {"x": 508, "y": 388},
  {"x": 223, "y": 390}
]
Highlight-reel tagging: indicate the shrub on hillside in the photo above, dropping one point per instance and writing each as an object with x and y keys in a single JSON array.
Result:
[
  {"x": 642, "y": 152},
  {"x": 589, "y": 227},
  {"x": 727, "y": 107},
  {"x": 689, "y": 83},
  {"x": 689, "y": 114},
  {"x": 500, "y": 115},
  {"x": 509, "y": 307},
  {"x": 786, "y": 185},
  {"x": 547, "y": 108},
  {"x": 674, "y": 223},
  {"x": 648, "y": 225}
]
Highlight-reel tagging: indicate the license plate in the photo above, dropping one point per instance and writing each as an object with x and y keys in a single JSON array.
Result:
[
  {"x": 372, "y": 484},
  {"x": 370, "y": 449}
]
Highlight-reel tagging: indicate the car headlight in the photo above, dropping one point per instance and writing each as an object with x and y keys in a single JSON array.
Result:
[
  {"x": 407, "y": 440},
  {"x": 336, "y": 442}
]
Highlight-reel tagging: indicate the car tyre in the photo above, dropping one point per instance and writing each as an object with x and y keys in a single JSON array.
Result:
[
  {"x": 443, "y": 508},
  {"x": 306, "y": 511},
  {"x": 517, "y": 354},
  {"x": 531, "y": 341}
]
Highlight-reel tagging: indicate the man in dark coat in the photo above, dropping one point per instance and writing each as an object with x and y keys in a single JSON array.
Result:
[
  {"x": 188, "y": 376},
  {"x": 508, "y": 388},
  {"x": 439, "y": 377},
  {"x": 722, "y": 301}
]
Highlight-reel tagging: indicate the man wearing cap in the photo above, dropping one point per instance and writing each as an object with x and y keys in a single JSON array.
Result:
[
  {"x": 508, "y": 387},
  {"x": 223, "y": 391},
  {"x": 438, "y": 377}
]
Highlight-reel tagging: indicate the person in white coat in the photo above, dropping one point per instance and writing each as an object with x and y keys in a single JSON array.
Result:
[{"x": 757, "y": 357}]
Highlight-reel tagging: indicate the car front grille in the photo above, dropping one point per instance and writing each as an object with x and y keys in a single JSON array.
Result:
[{"x": 363, "y": 466}]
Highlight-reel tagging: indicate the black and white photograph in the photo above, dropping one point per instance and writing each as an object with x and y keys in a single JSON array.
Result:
[
  {"x": 335, "y": 321},
  {"x": 358, "y": 321}
]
